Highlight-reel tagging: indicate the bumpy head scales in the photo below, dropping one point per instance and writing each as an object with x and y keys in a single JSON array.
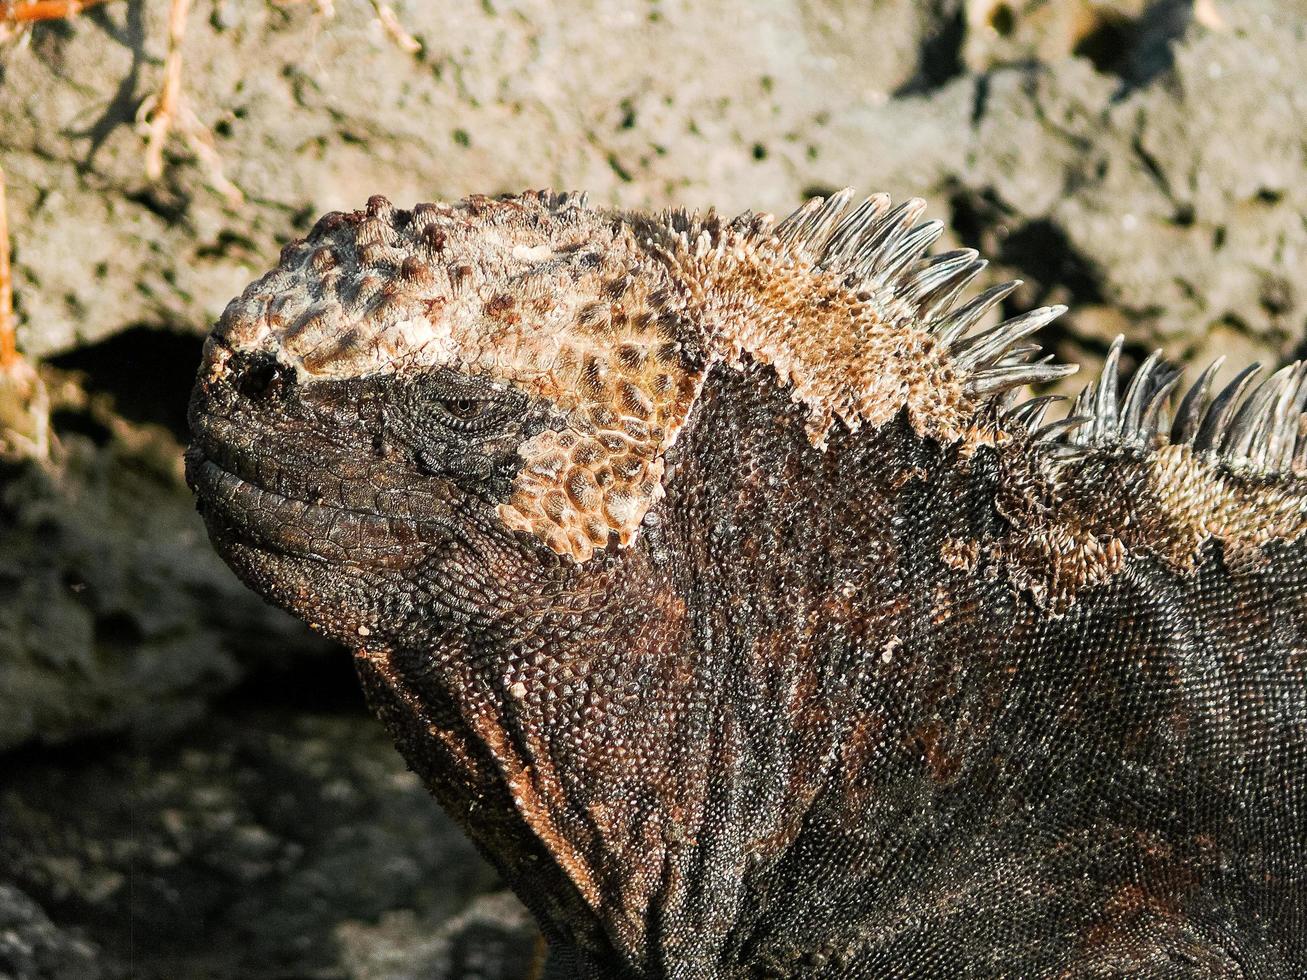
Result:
[
  {"x": 616, "y": 319},
  {"x": 536, "y": 291}
]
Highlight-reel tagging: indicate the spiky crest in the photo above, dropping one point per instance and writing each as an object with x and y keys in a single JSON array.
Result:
[
  {"x": 857, "y": 321},
  {"x": 880, "y": 250},
  {"x": 1249, "y": 428},
  {"x": 1122, "y": 477}
]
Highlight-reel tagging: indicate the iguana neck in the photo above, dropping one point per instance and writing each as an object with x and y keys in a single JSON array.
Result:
[
  {"x": 850, "y": 347},
  {"x": 660, "y": 726}
]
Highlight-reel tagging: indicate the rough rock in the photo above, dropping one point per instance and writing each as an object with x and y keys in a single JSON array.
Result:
[
  {"x": 1141, "y": 157},
  {"x": 33, "y": 948},
  {"x": 257, "y": 846},
  {"x": 114, "y": 613},
  {"x": 488, "y": 940}
]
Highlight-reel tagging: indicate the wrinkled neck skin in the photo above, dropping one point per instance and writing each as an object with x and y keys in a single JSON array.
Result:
[{"x": 640, "y": 750}]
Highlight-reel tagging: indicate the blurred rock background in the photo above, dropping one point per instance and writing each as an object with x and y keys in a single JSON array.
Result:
[{"x": 189, "y": 784}]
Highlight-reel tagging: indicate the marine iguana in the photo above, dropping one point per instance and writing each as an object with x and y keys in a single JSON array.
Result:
[{"x": 714, "y": 578}]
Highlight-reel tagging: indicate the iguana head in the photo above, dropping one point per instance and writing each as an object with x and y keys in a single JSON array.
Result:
[
  {"x": 438, "y": 409},
  {"x": 460, "y": 398}
]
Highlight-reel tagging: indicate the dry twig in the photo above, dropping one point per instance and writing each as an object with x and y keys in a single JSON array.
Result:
[
  {"x": 163, "y": 110},
  {"x": 386, "y": 17},
  {"x": 394, "y": 29},
  {"x": 18, "y": 16},
  {"x": 161, "y": 115}
]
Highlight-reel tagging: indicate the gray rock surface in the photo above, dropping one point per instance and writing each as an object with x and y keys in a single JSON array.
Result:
[
  {"x": 1144, "y": 160},
  {"x": 492, "y": 938},
  {"x": 190, "y": 774},
  {"x": 32, "y": 947}
]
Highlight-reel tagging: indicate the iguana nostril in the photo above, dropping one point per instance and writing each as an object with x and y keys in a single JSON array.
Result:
[{"x": 261, "y": 378}]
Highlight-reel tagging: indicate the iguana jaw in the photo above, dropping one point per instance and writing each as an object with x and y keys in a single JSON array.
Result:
[{"x": 316, "y": 511}]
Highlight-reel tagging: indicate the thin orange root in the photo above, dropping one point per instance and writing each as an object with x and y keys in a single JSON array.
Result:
[
  {"x": 8, "y": 325},
  {"x": 30, "y": 11}
]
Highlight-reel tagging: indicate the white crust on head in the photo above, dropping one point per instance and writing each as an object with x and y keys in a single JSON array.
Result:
[{"x": 537, "y": 291}]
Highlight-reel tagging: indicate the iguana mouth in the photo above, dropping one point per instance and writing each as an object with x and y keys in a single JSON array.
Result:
[
  {"x": 312, "y": 529},
  {"x": 269, "y": 520}
]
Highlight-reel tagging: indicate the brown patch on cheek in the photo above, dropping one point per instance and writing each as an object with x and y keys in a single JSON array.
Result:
[
  {"x": 503, "y": 309},
  {"x": 597, "y": 478},
  {"x": 575, "y": 497}
]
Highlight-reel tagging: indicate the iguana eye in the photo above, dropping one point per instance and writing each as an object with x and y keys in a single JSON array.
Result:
[
  {"x": 468, "y": 414},
  {"x": 463, "y": 408}
]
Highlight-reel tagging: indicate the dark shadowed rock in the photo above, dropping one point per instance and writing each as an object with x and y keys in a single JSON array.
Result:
[
  {"x": 259, "y": 846},
  {"x": 34, "y": 948},
  {"x": 113, "y": 615}
]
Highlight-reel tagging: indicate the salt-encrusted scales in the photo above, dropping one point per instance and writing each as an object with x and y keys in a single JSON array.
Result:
[
  {"x": 894, "y": 680},
  {"x": 538, "y": 292}
]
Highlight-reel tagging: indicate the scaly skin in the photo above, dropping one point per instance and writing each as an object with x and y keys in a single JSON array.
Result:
[{"x": 707, "y": 578}]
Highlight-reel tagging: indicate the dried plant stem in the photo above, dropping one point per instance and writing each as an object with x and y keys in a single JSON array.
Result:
[
  {"x": 386, "y": 16},
  {"x": 24, "y": 402},
  {"x": 30, "y": 11},
  {"x": 394, "y": 29},
  {"x": 166, "y": 106},
  {"x": 168, "y": 111}
]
